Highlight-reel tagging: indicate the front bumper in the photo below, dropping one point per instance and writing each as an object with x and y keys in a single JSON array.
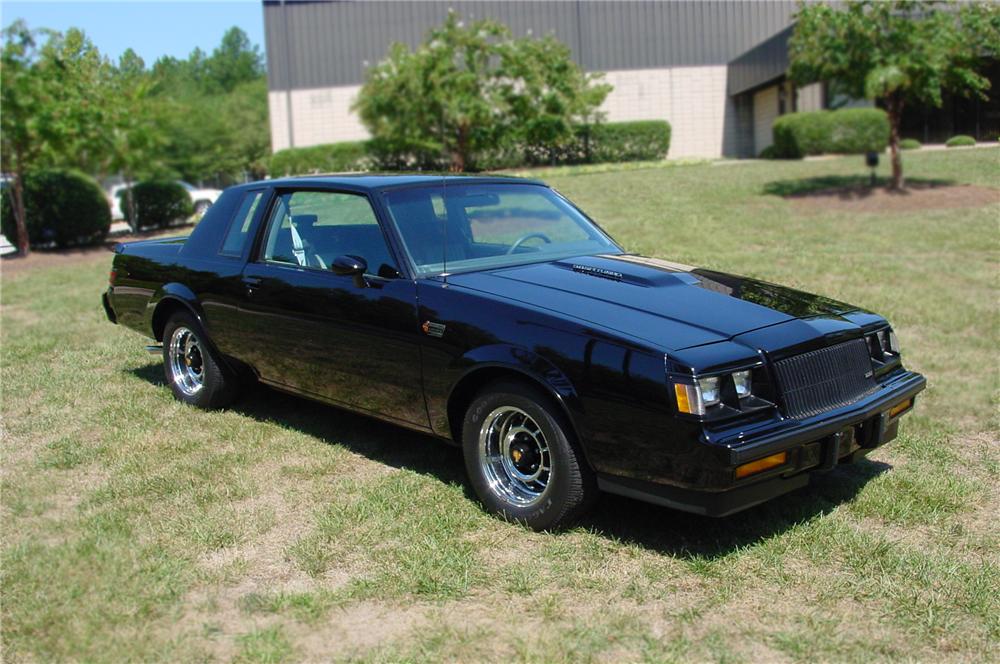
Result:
[{"x": 815, "y": 444}]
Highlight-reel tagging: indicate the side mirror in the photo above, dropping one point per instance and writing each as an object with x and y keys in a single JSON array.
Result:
[{"x": 349, "y": 266}]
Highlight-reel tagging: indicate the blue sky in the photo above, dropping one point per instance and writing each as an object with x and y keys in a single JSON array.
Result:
[{"x": 150, "y": 28}]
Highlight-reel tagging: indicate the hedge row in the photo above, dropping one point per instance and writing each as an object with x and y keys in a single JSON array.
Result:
[
  {"x": 64, "y": 208},
  {"x": 593, "y": 144},
  {"x": 960, "y": 141},
  {"x": 158, "y": 203},
  {"x": 845, "y": 131},
  {"x": 330, "y": 158}
]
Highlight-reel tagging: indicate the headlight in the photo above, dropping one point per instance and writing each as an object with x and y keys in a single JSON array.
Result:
[
  {"x": 883, "y": 343},
  {"x": 709, "y": 388},
  {"x": 741, "y": 379},
  {"x": 706, "y": 392}
]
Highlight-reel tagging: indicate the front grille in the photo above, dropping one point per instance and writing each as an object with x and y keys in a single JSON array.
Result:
[{"x": 824, "y": 379}]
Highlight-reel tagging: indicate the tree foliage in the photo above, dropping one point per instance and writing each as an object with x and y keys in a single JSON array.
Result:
[
  {"x": 473, "y": 87},
  {"x": 51, "y": 93},
  {"x": 898, "y": 52}
]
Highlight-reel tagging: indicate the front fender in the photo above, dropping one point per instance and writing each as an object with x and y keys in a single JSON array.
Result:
[{"x": 486, "y": 361}]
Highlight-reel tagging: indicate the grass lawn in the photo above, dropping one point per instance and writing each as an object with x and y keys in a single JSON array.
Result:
[{"x": 136, "y": 528}]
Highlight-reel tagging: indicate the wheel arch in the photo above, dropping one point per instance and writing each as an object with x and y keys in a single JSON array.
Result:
[
  {"x": 169, "y": 299},
  {"x": 557, "y": 388}
]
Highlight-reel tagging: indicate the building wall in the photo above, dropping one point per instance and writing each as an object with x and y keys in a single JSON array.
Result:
[
  {"x": 666, "y": 60},
  {"x": 765, "y": 112},
  {"x": 692, "y": 99},
  {"x": 319, "y": 115},
  {"x": 810, "y": 97}
]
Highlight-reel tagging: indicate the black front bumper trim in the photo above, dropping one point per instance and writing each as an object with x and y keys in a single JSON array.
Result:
[
  {"x": 904, "y": 388},
  {"x": 706, "y": 503}
]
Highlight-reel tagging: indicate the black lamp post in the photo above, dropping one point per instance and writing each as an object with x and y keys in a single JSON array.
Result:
[{"x": 871, "y": 160}]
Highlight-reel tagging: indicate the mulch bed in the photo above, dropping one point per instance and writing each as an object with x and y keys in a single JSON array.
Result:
[{"x": 915, "y": 197}]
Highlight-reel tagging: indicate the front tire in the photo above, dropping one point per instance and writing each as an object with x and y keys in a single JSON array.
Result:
[
  {"x": 192, "y": 369},
  {"x": 522, "y": 459}
]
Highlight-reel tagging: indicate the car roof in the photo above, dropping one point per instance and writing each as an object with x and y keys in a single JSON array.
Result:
[{"x": 380, "y": 181}]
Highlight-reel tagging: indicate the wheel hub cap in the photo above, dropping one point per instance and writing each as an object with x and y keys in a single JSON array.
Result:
[
  {"x": 185, "y": 361},
  {"x": 514, "y": 456}
]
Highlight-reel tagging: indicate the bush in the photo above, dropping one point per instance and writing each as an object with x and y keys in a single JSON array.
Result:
[
  {"x": 798, "y": 134},
  {"x": 960, "y": 141},
  {"x": 910, "y": 144},
  {"x": 768, "y": 153},
  {"x": 858, "y": 130},
  {"x": 330, "y": 158},
  {"x": 593, "y": 144},
  {"x": 158, "y": 203},
  {"x": 644, "y": 140},
  {"x": 65, "y": 208},
  {"x": 845, "y": 131}
]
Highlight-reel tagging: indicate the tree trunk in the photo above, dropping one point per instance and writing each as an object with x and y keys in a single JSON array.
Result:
[
  {"x": 894, "y": 108},
  {"x": 133, "y": 222},
  {"x": 20, "y": 214},
  {"x": 458, "y": 154}
]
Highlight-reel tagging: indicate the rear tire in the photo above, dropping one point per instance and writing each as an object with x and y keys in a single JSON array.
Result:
[
  {"x": 192, "y": 369},
  {"x": 522, "y": 459}
]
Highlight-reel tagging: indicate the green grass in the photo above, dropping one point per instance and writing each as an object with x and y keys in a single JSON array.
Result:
[{"x": 280, "y": 530}]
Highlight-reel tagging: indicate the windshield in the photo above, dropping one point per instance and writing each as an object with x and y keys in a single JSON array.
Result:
[
  {"x": 462, "y": 227},
  {"x": 186, "y": 185}
]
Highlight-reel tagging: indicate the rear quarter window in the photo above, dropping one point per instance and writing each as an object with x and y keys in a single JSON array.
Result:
[{"x": 239, "y": 228}]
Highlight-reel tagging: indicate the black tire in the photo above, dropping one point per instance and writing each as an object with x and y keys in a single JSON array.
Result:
[
  {"x": 218, "y": 385},
  {"x": 570, "y": 486}
]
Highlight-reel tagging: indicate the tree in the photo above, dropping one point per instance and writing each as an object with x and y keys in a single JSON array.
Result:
[
  {"x": 896, "y": 52},
  {"x": 234, "y": 62},
  {"x": 470, "y": 88},
  {"x": 53, "y": 107},
  {"x": 133, "y": 134}
]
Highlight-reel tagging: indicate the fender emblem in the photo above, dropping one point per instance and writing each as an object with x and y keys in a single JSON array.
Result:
[{"x": 433, "y": 329}]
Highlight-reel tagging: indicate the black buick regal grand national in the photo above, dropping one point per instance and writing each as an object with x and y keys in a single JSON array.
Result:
[{"x": 494, "y": 313}]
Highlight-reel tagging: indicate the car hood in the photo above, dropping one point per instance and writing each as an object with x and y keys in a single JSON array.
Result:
[{"x": 668, "y": 304}]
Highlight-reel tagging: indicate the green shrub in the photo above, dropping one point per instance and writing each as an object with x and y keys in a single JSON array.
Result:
[
  {"x": 910, "y": 144},
  {"x": 768, "y": 153},
  {"x": 798, "y": 134},
  {"x": 593, "y": 144},
  {"x": 158, "y": 203},
  {"x": 845, "y": 131},
  {"x": 65, "y": 208},
  {"x": 329, "y": 158},
  {"x": 643, "y": 140},
  {"x": 858, "y": 130},
  {"x": 960, "y": 141}
]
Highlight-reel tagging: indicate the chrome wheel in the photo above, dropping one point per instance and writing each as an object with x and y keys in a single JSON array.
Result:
[
  {"x": 187, "y": 368},
  {"x": 514, "y": 456}
]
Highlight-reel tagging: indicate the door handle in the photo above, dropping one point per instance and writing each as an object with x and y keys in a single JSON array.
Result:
[{"x": 250, "y": 283}]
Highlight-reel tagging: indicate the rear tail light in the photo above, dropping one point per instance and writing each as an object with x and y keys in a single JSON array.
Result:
[{"x": 112, "y": 276}]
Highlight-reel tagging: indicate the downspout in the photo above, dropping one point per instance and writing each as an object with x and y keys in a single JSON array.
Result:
[{"x": 288, "y": 74}]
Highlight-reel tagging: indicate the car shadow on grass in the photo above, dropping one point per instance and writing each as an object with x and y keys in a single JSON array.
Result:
[
  {"x": 667, "y": 531},
  {"x": 848, "y": 187}
]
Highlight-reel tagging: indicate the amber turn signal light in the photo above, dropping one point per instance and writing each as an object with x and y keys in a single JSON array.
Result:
[
  {"x": 900, "y": 407},
  {"x": 761, "y": 465}
]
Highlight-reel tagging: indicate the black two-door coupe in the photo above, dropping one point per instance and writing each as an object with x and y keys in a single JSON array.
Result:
[{"x": 493, "y": 313}]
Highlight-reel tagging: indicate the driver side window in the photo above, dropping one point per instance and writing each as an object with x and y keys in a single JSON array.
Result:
[{"x": 310, "y": 229}]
